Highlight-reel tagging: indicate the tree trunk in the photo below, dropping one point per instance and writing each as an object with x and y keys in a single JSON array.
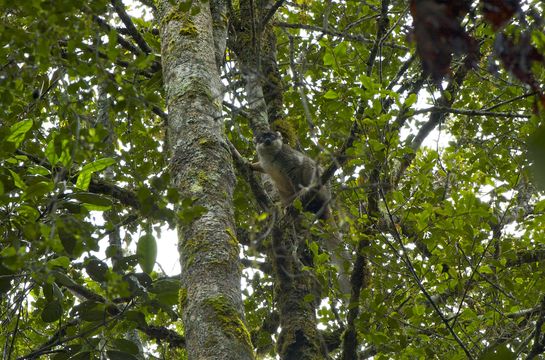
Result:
[
  {"x": 201, "y": 169},
  {"x": 296, "y": 290}
]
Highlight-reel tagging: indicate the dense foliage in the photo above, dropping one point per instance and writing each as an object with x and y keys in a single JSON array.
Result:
[{"x": 429, "y": 167}]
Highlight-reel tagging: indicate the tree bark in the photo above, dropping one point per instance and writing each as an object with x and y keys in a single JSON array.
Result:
[{"x": 202, "y": 171}]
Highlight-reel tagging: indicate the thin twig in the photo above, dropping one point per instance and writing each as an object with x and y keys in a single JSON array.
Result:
[{"x": 523, "y": 96}]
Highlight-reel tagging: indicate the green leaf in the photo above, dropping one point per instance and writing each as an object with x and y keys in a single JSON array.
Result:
[
  {"x": 62, "y": 278},
  {"x": 314, "y": 248},
  {"x": 68, "y": 239},
  {"x": 331, "y": 94},
  {"x": 167, "y": 300},
  {"x": 419, "y": 310},
  {"x": 321, "y": 258},
  {"x": 411, "y": 99},
  {"x": 39, "y": 170},
  {"x": 190, "y": 212},
  {"x": 18, "y": 131},
  {"x": 29, "y": 213},
  {"x": 93, "y": 201},
  {"x": 52, "y": 292},
  {"x": 377, "y": 146},
  {"x": 90, "y": 311},
  {"x": 52, "y": 311},
  {"x": 120, "y": 355},
  {"x": 50, "y": 152},
  {"x": 83, "y": 181},
  {"x": 17, "y": 180},
  {"x": 329, "y": 59},
  {"x": 146, "y": 250},
  {"x": 500, "y": 352},
  {"x": 38, "y": 190},
  {"x": 84, "y": 177},
  {"x": 136, "y": 317},
  {"x": 367, "y": 82},
  {"x": 61, "y": 261},
  {"x": 341, "y": 49},
  {"x": 96, "y": 269},
  {"x": 126, "y": 346},
  {"x": 65, "y": 158},
  {"x": 184, "y": 6}
]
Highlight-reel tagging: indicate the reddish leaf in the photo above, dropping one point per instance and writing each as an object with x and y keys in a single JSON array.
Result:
[
  {"x": 439, "y": 34},
  {"x": 499, "y": 12},
  {"x": 517, "y": 58}
]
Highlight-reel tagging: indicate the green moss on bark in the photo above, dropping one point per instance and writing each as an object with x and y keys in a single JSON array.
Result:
[
  {"x": 188, "y": 27},
  {"x": 229, "y": 320},
  {"x": 182, "y": 297}
]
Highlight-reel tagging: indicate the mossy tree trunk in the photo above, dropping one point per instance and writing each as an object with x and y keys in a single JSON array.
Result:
[
  {"x": 255, "y": 49},
  {"x": 201, "y": 170}
]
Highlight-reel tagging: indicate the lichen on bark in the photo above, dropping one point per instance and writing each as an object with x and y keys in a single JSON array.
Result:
[{"x": 201, "y": 170}]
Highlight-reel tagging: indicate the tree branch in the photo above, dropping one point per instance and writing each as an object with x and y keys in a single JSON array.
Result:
[
  {"x": 271, "y": 13},
  {"x": 402, "y": 69},
  {"x": 243, "y": 166},
  {"x": 382, "y": 23},
  {"x": 539, "y": 339},
  {"x": 435, "y": 119},
  {"x": 523, "y": 96},
  {"x": 527, "y": 257},
  {"x": 98, "y": 186},
  {"x": 352, "y": 37},
  {"x": 125, "y": 64},
  {"x": 358, "y": 281},
  {"x": 158, "y": 333},
  {"x": 135, "y": 34},
  {"x": 120, "y": 39},
  {"x": 340, "y": 156},
  {"x": 470, "y": 112}
]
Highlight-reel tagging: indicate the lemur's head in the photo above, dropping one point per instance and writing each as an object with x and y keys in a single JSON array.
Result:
[{"x": 268, "y": 141}]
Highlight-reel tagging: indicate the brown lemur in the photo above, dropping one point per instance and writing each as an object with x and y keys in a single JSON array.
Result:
[
  {"x": 293, "y": 173},
  {"x": 296, "y": 175}
]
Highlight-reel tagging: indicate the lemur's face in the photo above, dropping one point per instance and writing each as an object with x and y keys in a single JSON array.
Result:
[{"x": 268, "y": 140}]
